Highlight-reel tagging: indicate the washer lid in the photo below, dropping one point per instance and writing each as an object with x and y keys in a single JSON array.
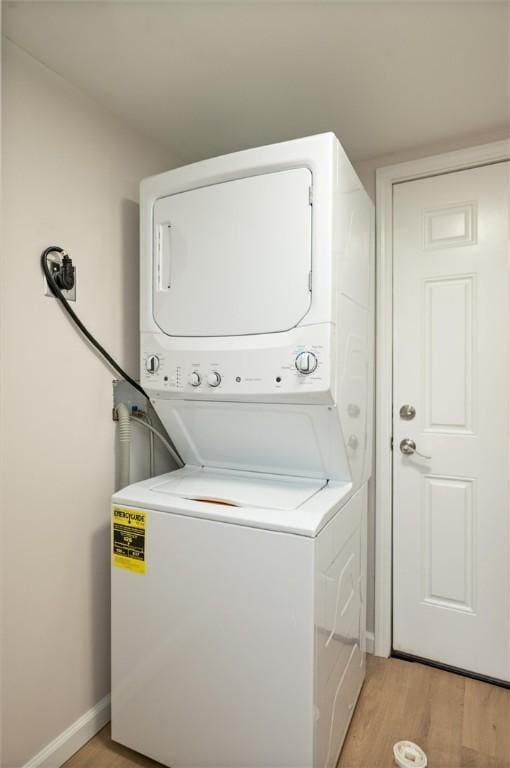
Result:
[
  {"x": 272, "y": 502},
  {"x": 238, "y": 489}
]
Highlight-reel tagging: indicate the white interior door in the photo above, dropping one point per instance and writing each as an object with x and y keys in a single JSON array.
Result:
[
  {"x": 451, "y": 364},
  {"x": 234, "y": 258}
]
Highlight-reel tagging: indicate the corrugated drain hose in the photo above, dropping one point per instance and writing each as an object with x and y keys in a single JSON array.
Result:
[{"x": 124, "y": 444}]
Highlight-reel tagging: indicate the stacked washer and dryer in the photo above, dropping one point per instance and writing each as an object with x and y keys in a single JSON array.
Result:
[{"x": 238, "y": 619}]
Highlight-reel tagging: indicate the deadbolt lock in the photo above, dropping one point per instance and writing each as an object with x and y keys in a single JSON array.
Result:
[{"x": 407, "y": 412}]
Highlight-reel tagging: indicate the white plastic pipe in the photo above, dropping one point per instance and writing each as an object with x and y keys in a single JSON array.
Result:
[
  {"x": 175, "y": 456},
  {"x": 124, "y": 444}
]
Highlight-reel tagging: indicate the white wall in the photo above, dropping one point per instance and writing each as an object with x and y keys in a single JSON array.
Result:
[
  {"x": 366, "y": 168},
  {"x": 70, "y": 175}
]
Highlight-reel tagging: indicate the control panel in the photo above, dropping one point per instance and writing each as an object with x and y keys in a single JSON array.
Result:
[{"x": 230, "y": 372}]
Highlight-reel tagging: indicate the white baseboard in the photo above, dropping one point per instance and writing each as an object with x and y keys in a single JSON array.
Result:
[
  {"x": 369, "y": 641},
  {"x": 69, "y": 741}
]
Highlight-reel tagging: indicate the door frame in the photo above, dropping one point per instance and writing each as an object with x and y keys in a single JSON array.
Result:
[{"x": 386, "y": 178}]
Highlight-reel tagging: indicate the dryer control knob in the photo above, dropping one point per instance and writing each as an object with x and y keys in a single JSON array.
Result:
[
  {"x": 214, "y": 379},
  {"x": 152, "y": 364},
  {"x": 306, "y": 362},
  {"x": 194, "y": 379}
]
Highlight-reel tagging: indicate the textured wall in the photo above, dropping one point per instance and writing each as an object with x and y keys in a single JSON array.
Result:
[{"x": 70, "y": 177}]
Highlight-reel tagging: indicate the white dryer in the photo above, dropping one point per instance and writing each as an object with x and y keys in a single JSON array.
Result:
[{"x": 238, "y": 582}]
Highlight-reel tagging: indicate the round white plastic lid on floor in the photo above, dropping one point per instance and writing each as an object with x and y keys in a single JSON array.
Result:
[{"x": 409, "y": 755}]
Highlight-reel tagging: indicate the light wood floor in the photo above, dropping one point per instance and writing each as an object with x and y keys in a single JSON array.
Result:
[{"x": 460, "y": 723}]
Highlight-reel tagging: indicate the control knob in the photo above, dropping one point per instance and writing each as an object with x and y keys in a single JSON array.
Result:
[
  {"x": 214, "y": 379},
  {"x": 306, "y": 362},
  {"x": 152, "y": 364},
  {"x": 194, "y": 379}
]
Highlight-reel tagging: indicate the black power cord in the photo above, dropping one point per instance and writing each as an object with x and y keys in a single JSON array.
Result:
[
  {"x": 63, "y": 279},
  {"x": 63, "y": 273}
]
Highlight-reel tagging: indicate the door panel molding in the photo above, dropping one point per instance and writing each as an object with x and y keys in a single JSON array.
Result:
[
  {"x": 386, "y": 178},
  {"x": 449, "y": 315},
  {"x": 448, "y": 564}
]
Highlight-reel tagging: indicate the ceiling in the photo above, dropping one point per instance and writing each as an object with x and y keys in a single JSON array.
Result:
[{"x": 204, "y": 78}]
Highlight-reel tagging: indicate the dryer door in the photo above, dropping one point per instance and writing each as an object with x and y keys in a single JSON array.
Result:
[{"x": 234, "y": 258}]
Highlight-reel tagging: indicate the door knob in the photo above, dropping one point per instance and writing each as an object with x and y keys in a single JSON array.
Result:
[{"x": 408, "y": 447}]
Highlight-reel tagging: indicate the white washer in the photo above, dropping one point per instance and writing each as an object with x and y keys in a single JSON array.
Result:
[{"x": 242, "y": 644}]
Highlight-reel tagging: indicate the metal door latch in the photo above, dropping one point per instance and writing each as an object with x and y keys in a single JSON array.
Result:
[{"x": 408, "y": 448}]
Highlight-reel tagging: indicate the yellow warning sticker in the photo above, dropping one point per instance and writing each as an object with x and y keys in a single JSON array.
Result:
[{"x": 128, "y": 539}]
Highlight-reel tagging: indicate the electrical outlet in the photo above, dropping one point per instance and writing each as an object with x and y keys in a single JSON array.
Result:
[
  {"x": 56, "y": 258},
  {"x": 124, "y": 392}
]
